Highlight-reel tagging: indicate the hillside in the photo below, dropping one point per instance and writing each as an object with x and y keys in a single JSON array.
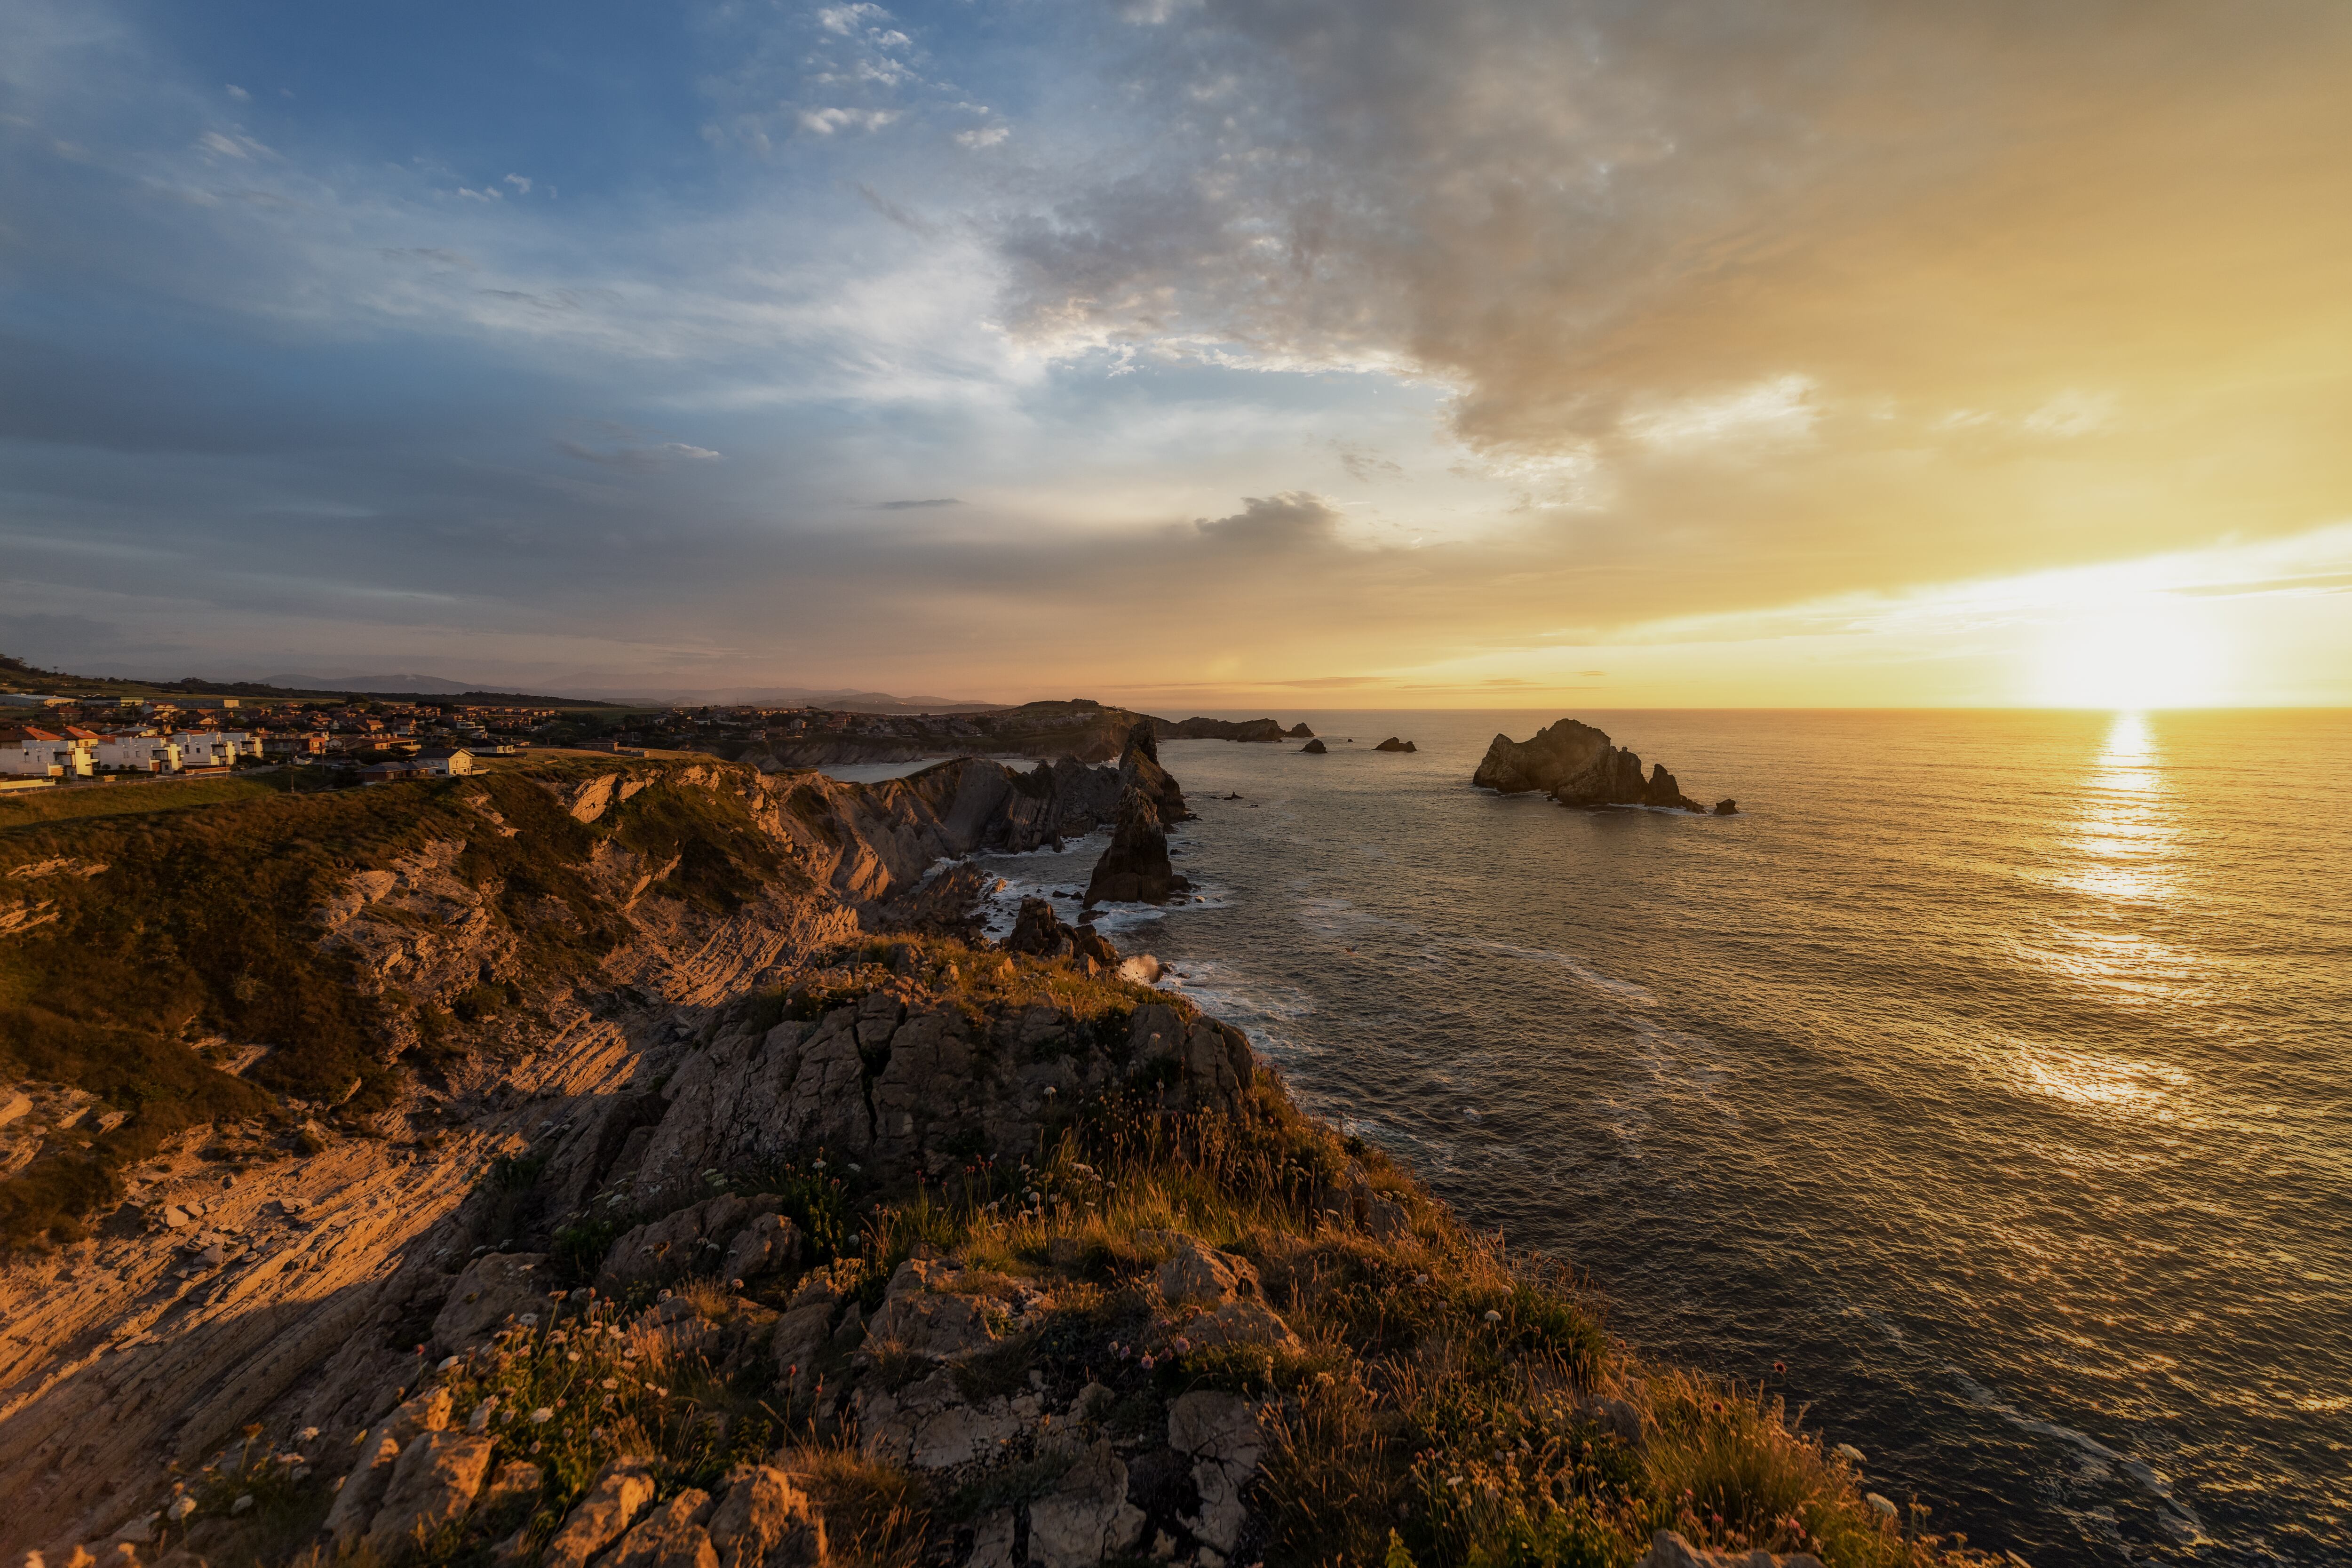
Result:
[
  {"x": 15, "y": 674},
  {"x": 644, "y": 1151}
]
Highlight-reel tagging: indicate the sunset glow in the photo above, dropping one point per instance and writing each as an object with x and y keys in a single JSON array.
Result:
[{"x": 1503, "y": 352}]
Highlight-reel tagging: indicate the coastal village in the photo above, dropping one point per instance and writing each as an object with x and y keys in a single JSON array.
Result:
[{"x": 66, "y": 740}]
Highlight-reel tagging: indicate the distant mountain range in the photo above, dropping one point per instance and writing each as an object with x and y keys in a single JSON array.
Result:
[
  {"x": 427, "y": 684},
  {"x": 411, "y": 684},
  {"x": 844, "y": 697}
]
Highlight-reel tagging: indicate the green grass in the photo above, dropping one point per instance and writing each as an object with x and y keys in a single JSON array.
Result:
[{"x": 38, "y": 808}]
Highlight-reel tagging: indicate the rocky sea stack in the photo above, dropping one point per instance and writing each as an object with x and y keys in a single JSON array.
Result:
[
  {"x": 1315, "y": 748},
  {"x": 1576, "y": 765},
  {"x": 1136, "y": 868},
  {"x": 1393, "y": 744}
]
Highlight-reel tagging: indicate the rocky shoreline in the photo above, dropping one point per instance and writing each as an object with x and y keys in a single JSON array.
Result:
[{"x": 811, "y": 1229}]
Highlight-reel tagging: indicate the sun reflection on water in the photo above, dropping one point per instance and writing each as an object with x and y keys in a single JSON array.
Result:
[
  {"x": 2126, "y": 833},
  {"x": 2122, "y": 853}
]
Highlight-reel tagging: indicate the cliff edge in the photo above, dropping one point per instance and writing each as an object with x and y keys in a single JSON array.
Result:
[{"x": 692, "y": 1212}]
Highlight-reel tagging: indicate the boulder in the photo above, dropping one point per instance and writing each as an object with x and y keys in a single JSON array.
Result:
[
  {"x": 928, "y": 1425},
  {"x": 1393, "y": 744},
  {"x": 493, "y": 1288},
  {"x": 620, "y": 1490},
  {"x": 1315, "y": 748},
  {"x": 769, "y": 1244},
  {"x": 355, "y": 1505},
  {"x": 1039, "y": 932},
  {"x": 1087, "y": 1521},
  {"x": 433, "y": 1485},
  {"x": 695, "y": 1240},
  {"x": 670, "y": 1536},
  {"x": 1087, "y": 942},
  {"x": 764, "y": 1520},
  {"x": 1219, "y": 1433},
  {"x": 515, "y": 1480},
  {"x": 923, "y": 1310},
  {"x": 1727, "y": 808},
  {"x": 1195, "y": 1272}
]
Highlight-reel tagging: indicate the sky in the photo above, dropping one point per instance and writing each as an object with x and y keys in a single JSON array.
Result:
[{"x": 1187, "y": 353}]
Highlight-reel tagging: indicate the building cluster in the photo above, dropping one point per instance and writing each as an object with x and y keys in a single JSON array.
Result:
[{"x": 65, "y": 739}]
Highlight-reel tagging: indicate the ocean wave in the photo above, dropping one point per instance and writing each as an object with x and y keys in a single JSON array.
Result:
[{"x": 1640, "y": 995}]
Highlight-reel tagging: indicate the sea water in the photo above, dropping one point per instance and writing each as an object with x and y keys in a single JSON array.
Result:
[{"x": 1992, "y": 1071}]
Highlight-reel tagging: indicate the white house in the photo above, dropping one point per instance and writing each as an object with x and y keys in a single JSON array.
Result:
[
  {"x": 214, "y": 748},
  {"x": 440, "y": 762},
  {"x": 28, "y": 751},
  {"x": 143, "y": 751}
]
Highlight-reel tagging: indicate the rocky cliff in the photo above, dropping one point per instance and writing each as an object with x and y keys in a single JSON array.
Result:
[
  {"x": 698, "y": 1214},
  {"x": 1576, "y": 764}
]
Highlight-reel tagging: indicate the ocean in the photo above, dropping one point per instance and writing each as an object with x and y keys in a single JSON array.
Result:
[{"x": 1990, "y": 1071}]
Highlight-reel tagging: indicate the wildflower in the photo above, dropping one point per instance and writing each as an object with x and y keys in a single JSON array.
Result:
[
  {"x": 1881, "y": 1504},
  {"x": 611, "y": 1382},
  {"x": 1493, "y": 1316},
  {"x": 1421, "y": 1279},
  {"x": 1147, "y": 1360},
  {"x": 572, "y": 1355},
  {"x": 309, "y": 1434},
  {"x": 1182, "y": 1344},
  {"x": 446, "y": 1364},
  {"x": 541, "y": 1416}
]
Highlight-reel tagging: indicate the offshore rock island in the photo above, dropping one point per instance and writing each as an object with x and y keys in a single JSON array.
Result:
[
  {"x": 1576, "y": 764},
  {"x": 647, "y": 1161}
]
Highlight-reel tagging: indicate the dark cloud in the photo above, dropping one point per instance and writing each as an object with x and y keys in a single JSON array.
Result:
[{"x": 1290, "y": 519}]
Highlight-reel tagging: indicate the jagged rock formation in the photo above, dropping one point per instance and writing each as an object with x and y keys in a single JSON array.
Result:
[
  {"x": 1315, "y": 748},
  {"x": 1299, "y": 731},
  {"x": 618, "y": 904},
  {"x": 1140, "y": 769},
  {"x": 1393, "y": 744},
  {"x": 1136, "y": 867},
  {"x": 1727, "y": 808},
  {"x": 1576, "y": 764}
]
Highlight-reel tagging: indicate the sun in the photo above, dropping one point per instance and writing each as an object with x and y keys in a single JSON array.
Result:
[{"x": 2148, "y": 650}]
